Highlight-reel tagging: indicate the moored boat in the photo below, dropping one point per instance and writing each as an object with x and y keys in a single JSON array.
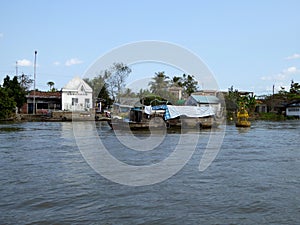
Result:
[{"x": 167, "y": 116}]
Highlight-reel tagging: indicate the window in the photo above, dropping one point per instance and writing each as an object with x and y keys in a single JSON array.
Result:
[
  {"x": 293, "y": 109},
  {"x": 87, "y": 103},
  {"x": 74, "y": 101}
]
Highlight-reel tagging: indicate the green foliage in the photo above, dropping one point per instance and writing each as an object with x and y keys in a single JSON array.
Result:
[
  {"x": 249, "y": 102},
  {"x": 295, "y": 88},
  {"x": 115, "y": 78},
  {"x": 159, "y": 84},
  {"x": 100, "y": 91},
  {"x": 143, "y": 92},
  {"x": 177, "y": 81},
  {"x": 153, "y": 100},
  {"x": 128, "y": 93},
  {"x": 15, "y": 90},
  {"x": 234, "y": 99},
  {"x": 51, "y": 86},
  {"x": 7, "y": 104},
  {"x": 271, "y": 116},
  {"x": 25, "y": 81},
  {"x": 231, "y": 99},
  {"x": 283, "y": 97},
  {"x": 189, "y": 84}
]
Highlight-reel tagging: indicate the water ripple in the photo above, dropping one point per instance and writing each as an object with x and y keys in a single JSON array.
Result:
[{"x": 255, "y": 179}]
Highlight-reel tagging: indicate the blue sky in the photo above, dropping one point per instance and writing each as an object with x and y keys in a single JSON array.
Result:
[{"x": 248, "y": 44}]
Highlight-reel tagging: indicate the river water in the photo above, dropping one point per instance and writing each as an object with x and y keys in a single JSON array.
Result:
[{"x": 254, "y": 179}]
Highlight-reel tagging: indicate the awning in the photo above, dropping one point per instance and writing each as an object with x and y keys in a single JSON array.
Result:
[
  {"x": 189, "y": 111},
  {"x": 176, "y": 111}
]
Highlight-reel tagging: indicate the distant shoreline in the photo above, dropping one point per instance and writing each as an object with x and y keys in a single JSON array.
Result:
[{"x": 43, "y": 118}]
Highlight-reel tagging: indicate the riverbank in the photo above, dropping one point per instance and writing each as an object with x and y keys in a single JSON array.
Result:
[
  {"x": 58, "y": 116},
  {"x": 86, "y": 116},
  {"x": 270, "y": 116}
]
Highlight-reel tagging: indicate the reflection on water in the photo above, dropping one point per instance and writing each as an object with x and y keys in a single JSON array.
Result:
[{"x": 254, "y": 179}]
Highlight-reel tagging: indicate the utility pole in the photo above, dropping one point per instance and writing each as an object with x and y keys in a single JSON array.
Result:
[
  {"x": 16, "y": 68},
  {"x": 34, "y": 106},
  {"x": 272, "y": 109}
]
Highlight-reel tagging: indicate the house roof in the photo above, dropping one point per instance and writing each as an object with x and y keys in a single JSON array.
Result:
[
  {"x": 208, "y": 99},
  {"x": 129, "y": 101},
  {"x": 44, "y": 94},
  {"x": 294, "y": 104},
  {"x": 75, "y": 84}
]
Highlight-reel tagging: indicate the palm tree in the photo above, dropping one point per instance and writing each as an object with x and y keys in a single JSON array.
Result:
[
  {"x": 128, "y": 93},
  {"x": 50, "y": 84},
  {"x": 160, "y": 84},
  {"x": 189, "y": 84},
  {"x": 177, "y": 81}
]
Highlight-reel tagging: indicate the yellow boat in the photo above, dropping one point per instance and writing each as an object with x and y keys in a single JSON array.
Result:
[{"x": 242, "y": 117}]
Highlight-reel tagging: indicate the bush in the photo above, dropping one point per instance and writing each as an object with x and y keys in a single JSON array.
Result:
[{"x": 271, "y": 116}]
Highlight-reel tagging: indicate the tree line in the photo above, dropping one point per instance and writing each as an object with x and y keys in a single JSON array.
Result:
[
  {"x": 13, "y": 94},
  {"x": 234, "y": 98},
  {"x": 109, "y": 85}
]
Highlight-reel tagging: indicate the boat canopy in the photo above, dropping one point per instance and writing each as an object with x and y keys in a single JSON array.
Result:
[{"x": 172, "y": 111}]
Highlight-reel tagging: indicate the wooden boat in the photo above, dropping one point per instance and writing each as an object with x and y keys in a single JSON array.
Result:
[
  {"x": 242, "y": 117},
  {"x": 166, "y": 116}
]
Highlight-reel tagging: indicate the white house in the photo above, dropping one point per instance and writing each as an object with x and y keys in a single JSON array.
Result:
[
  {"x": 77, "y": 95},
  {"x": 293, "y": 109}
]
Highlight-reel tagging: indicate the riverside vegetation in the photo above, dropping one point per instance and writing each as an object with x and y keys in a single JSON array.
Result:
[{"x": 109, "y": 86}]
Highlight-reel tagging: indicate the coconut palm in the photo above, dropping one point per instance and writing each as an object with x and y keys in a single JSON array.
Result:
[
  {"x": 160, "y": 84},
  {"x": 50, "y": 84}
]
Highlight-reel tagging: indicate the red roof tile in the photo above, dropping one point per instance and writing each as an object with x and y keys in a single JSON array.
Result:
[{"x": 44, "y": 94}]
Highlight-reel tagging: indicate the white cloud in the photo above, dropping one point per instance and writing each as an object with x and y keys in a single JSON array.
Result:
[
  {"x": 282, "y": 79},
  {"x": 24, "y": 62},
  {"x": 294, "y": 56},
  {"x": 266, "y": 78},
  {"x": 56, "y": 63},
  {"x": 73, "y": 61},
  {"x": 1, "y": 35},
  {"x": 284, "y": 75},
  {"x": 291, "y": 70}
]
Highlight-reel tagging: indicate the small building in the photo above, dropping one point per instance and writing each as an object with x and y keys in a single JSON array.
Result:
[
  {"x": 176, "y": 92},
  {"x": 126, "y": 104},
  {"x": 207, "y": 92},
  {"x": 204, "y": 100},
  {"x": 77, "y": 95},
  {"x": 45, "y": 101},
  {"x": 261, "y": 107},
  {"x": 293, "y": 109}
]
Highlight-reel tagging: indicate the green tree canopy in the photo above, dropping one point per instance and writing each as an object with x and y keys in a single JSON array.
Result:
[
  {"x": 7, "y": 104},
  {"x": 177, "y": 81},
  {"x": 115, "y": 79},
  {"x": 99, "y": 87},
  {"x": 295, "y": 88},
  {"x": 189, "y": 84},
  {"x": 159, "y": 84},
  {"x": 51, "y": 85},
  {"x": 153, "y": 100},
  {"x": 25, "y": 81},
  {"x": 15, "y": 90}
]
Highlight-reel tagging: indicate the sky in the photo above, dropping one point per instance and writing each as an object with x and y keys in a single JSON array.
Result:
[{"x": 250, "y": 45}]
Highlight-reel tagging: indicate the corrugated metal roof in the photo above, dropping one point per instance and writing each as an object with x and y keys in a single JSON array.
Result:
[{"x": 206, "y": 99}]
